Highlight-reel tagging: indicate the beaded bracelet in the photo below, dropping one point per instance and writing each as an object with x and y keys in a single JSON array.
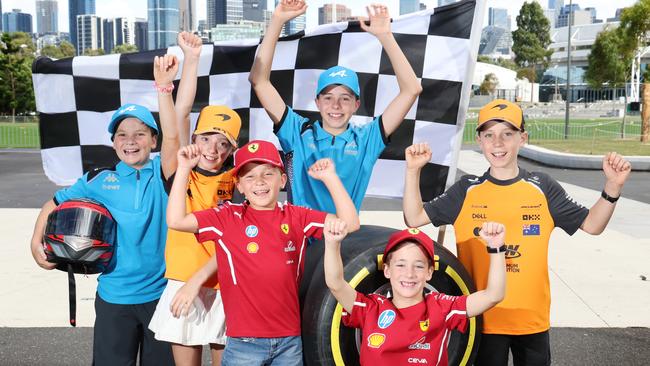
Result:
[{"x": 164, "y": 89}]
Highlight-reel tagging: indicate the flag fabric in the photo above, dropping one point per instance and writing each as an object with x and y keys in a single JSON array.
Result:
[{"x": 77, "y": 96}]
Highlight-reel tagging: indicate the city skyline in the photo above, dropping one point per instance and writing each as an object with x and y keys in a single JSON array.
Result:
[{"x": 138, "y": 8}]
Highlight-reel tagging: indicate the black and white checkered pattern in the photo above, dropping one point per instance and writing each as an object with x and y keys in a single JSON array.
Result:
[{"x": 76, "y": 97}]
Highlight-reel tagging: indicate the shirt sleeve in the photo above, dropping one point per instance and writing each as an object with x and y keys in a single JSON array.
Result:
[
  {"x": 454, "y": 308},
  {"x": 377, "y": 139},
  {"x": 362, "y": 306},
  {"x": 313, "y": 221},
  {"x": 566, "y": 212},
  {"x": 444, "y": 209},
  {"x": 288, "y": 131},
  {"x": 210, "y": 224},
  {"x": 78, "y": 190}
]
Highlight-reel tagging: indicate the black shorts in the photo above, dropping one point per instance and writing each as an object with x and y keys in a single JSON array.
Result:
[
  {"x": 529, "y": 350},
  {"x": 122, "y": 332}
]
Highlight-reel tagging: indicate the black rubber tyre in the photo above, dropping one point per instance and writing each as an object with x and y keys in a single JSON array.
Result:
[{"x": 327, "y": 341}]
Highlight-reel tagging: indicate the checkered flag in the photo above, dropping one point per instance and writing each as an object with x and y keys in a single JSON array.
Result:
[{"x": 77, "y": 96}]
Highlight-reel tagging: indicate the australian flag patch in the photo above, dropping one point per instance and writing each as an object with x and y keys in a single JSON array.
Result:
[{"x": 529, "y": 230}]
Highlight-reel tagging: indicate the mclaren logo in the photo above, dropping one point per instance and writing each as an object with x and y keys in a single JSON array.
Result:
[
  {"x": 253, "y": 147},
  {"x": 500, "y": 106},
  {"x": 224, "y": 117}
]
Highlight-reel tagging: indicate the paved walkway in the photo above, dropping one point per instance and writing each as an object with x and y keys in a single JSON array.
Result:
[{"x": 596, "y": 281}]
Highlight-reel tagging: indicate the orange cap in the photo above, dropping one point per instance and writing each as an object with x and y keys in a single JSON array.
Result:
[
  {"x": 219, "y": 119},
  {"x": 500, "y": 110}
]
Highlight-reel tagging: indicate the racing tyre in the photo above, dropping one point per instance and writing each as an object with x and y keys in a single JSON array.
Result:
[{"x": 326, "y": 341}]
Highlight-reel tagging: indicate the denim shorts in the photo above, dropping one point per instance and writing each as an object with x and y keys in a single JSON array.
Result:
[{"x": 249, "y": 351}]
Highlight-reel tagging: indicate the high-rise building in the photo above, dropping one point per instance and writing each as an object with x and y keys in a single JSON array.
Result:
[
  {"x": 326, "y": 13},
  {"x": 187, "y": 13},
  {"x": 17, "y": 21},
  {"x": 118, "y": 31},
  {"x": 295, "y": 25},
  {"x": 89, "y": 33},
  {"x": 576, "y": 15},
  {"x": 141, "y": 32},
  {"x": 164, "y": 24},
  {"x": 408, "y": 6},
  {"x": 78, "y": 7},
  {"x": 108, "y": 35},
  {"x": 499, "y": 18},
  {"x": 1, "y": 28},
  {"x": 47, "y": 16},
  {"x": 555, "y": 5},
  {"x": 245, "y": 29},
  {"x": 224, "y": 12},
  {"x": 592, "y": 11},
  {"x": 445, "y": 2},
  {"x": 254, "y": 10}
]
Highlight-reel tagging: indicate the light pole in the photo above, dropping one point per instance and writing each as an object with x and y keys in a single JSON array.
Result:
[{"x": 568, "y": 74}]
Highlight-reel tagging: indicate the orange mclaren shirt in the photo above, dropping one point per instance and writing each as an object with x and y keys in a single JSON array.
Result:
[
  {"x": 530, "y": 206},
  {"x": 183, "y": 254}
]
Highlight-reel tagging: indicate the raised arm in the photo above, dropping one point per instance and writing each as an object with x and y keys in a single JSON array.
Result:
[
  {"x": 164, "y": 71},
  {"x": 334, "y": 232},
  {"x": 493, "y": 233},
  {"x": 260, "y": 75},
  {"x": 409, "y": 86},
  {"x": 325, "y": 171},
  {"x": 417, "y": 156},
  {"x": 191, "y": 46},
  {"x": 37, "y": 237},
  {"x": 177, "y": 216},
  {"x": 616, "y": 169}
]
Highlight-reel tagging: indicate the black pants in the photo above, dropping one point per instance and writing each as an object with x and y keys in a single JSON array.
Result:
[
  {"x": 121, "y": 331},
  {"x": 527, "y": 350}
]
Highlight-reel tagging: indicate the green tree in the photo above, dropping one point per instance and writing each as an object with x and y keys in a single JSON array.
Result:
[
  {"x": 94, "y": 52},
  {"x": 125, "y": 48},
  {"x": 531, "y": 39},
  {"x": 16, "y": 89},
  {"x": 635, "y": 30},
  {"x": 508, "y": 64},
  {"x": 65, "y": 49}
]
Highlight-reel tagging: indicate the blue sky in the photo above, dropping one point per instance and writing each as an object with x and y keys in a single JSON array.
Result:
[{"x": 138, "y": 8}]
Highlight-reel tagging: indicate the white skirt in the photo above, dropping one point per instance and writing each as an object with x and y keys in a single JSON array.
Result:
[{"x": 204, "y": 324}]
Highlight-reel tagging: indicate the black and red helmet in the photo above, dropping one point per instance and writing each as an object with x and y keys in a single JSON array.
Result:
[{"x": 80, "y": 233}]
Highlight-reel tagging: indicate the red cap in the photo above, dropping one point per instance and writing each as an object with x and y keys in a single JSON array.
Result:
[
  {"x": 413, "y": 235},
  {"x": 257, "y": 151}
]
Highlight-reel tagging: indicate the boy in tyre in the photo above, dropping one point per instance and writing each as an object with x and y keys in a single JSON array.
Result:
[
  {"x": 135, "y": 193},
  {"x": 410, "y": 325},
  {"x": 260, "y": 248},
  {"x": 531, "y": 205},
  {"x": 354, "y": 149},
  {"x": 190, "y": 267}
]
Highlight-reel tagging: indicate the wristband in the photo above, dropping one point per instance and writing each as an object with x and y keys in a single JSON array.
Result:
[
  {"x": 164, "y": 89},
  {"x": 500, "y": 249},
  {"x": 609, "y": 198}
]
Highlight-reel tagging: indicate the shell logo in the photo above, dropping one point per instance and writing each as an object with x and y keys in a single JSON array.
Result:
[
  {"x": 253, "y": 147},
  {"x": 375, "y": 340},
  {"x": 414, "y": 231},
  {"x": 252, "y": 247}
]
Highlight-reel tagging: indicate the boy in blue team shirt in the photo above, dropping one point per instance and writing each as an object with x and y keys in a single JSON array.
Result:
[
  {"x": 135, "y": 193},
  {"x": 354, "y": 149}
]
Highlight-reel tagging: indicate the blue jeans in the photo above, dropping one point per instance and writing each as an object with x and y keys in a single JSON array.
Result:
[{"x": 249, "y": 351}]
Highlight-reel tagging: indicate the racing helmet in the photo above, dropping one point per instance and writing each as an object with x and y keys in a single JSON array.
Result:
[{"x": 80, "y": 235}]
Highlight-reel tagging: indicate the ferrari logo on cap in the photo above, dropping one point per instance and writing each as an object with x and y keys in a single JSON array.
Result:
[
  {"x": 252, "y": 247},
  {"x": 224, "y": 117},
  {"x": 253, "y": 147},
  {"x": 414, "y": 231},
  {"x": 424, "y": 325},
  {"x": 285, "y": 228}
]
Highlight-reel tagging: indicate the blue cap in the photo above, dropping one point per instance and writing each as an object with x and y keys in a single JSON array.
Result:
[
  {"x": 339, "y": 75},
  {"x": 132, "y": 110}
]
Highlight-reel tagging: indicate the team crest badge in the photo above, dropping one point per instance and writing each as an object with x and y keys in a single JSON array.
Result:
[
  {"x": 252, "y": 247},
  {"x": 285, "y": 228},
  {"x": 414, "y": 231},
  {"x": 375, "y": 340},
  {"x": 253, "y": 147},
  {"x": 424, "y": 325}
]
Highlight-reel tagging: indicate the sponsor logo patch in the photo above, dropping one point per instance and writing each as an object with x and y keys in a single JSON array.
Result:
[
  {"x": 421, "y": 344},
  {"x": 421, "y": 361},
  {"x": 530, "y": 217},
  {"x": 290, "y": 247},
  {"x": 252, "y": 247},
  {"x": 386, "y": 318},
  {"x": 530, "y": 230},
  {"x": 424, "y": 326},
  {"x": 512, "y": 251},
  {"x": 285, "y": 228},
  {"x": 251, "y": 231},
  {"x": 375, "y": 340}
]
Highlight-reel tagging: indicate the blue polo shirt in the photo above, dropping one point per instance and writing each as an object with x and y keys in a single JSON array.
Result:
[
  {"x": 137, "y": 199},
  {"x": 354, "y": 153}
]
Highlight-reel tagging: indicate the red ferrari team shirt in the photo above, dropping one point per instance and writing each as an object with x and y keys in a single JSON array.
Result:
[
  {"x": 417, "y": 334},
  {"x": 260, "y": 258}
]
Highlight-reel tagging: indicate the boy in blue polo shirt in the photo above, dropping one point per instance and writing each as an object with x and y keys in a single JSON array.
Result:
[
  {"x": 135, "y": 193},
  {"x": 354, "y": 149}
]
